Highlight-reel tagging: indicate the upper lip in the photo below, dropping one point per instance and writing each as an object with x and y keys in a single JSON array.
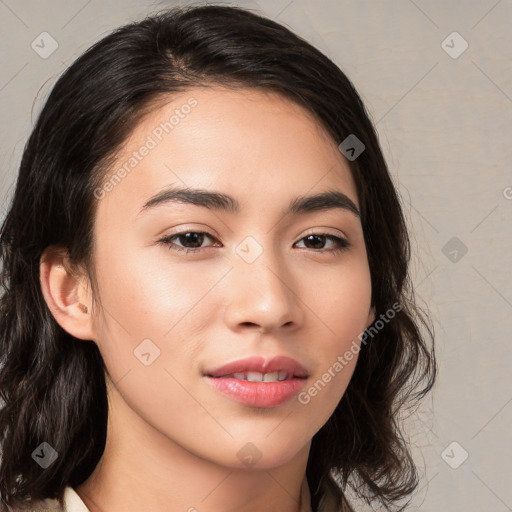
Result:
[{"x": 260, "y": 364}]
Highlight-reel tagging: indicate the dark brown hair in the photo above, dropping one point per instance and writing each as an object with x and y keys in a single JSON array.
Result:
[{"x": 52, "y": 385}]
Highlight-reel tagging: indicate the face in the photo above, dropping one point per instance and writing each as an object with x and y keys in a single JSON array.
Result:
[{"x": 191, "y": 284}]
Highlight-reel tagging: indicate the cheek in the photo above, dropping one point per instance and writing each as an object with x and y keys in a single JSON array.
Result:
[
  {"x": 154, "y": 315},
  {"x": 148, "y": 293},
  {"x": 153, "y": 299},
  {"x": 342, "y": 301},
  {"x": 342, "y": 310}
]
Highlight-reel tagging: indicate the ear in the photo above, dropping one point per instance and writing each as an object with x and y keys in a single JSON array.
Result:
[{"x": 67, "y": 294}]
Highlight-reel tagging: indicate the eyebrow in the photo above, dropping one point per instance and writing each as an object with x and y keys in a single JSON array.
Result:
[{"x": 331, "y": 199}]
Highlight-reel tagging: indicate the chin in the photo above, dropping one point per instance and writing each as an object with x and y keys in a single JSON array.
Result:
[{"x": 263, "y": 453}]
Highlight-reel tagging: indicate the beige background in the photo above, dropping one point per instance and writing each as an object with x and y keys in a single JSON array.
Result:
[{"x": 445, "y": 125}]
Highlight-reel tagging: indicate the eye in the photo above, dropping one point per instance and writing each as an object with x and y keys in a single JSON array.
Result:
[
  {"x": 318, "y": 239},
  {"x": 191, "y": 241}
]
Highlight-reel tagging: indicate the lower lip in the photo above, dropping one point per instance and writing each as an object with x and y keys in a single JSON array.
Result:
[{"x": 258, "y": 394}]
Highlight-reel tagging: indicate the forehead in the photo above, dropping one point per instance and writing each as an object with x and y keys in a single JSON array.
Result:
[{"x": 247, "y": 141}]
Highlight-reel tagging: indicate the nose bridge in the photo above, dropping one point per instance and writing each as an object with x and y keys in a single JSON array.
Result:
[{"x": 262, "y": 287}]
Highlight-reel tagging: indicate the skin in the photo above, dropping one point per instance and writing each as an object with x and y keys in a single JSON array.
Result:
[{"x": 172, "y": 439}]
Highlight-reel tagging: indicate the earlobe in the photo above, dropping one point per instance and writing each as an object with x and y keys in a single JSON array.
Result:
[{"x": 66, "y": 296}]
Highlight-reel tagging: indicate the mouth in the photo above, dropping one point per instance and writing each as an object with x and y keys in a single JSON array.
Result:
[{"x": 259, "y": 382}]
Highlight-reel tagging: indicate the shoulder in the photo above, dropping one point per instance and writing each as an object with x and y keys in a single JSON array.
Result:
[
  {"x": 70, "y": 502},
  {"x": 47, "y": 505}
]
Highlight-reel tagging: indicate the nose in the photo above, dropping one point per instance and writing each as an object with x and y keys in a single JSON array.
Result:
[{"x": 262, "y": 295}]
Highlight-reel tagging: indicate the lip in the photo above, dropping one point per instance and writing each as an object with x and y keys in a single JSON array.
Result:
[
  {"x": 262, "y": 365},
  {"x": 259, "y": 394}
]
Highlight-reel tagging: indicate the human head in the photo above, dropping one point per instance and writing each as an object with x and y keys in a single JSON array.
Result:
[{"x": 93, "y": 109}]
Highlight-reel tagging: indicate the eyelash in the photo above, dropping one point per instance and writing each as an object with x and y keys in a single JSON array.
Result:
[{"x": 341, "y": 243}]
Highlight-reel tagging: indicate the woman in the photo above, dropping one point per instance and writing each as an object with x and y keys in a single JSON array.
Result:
[{"x": 203, "y": 242}]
